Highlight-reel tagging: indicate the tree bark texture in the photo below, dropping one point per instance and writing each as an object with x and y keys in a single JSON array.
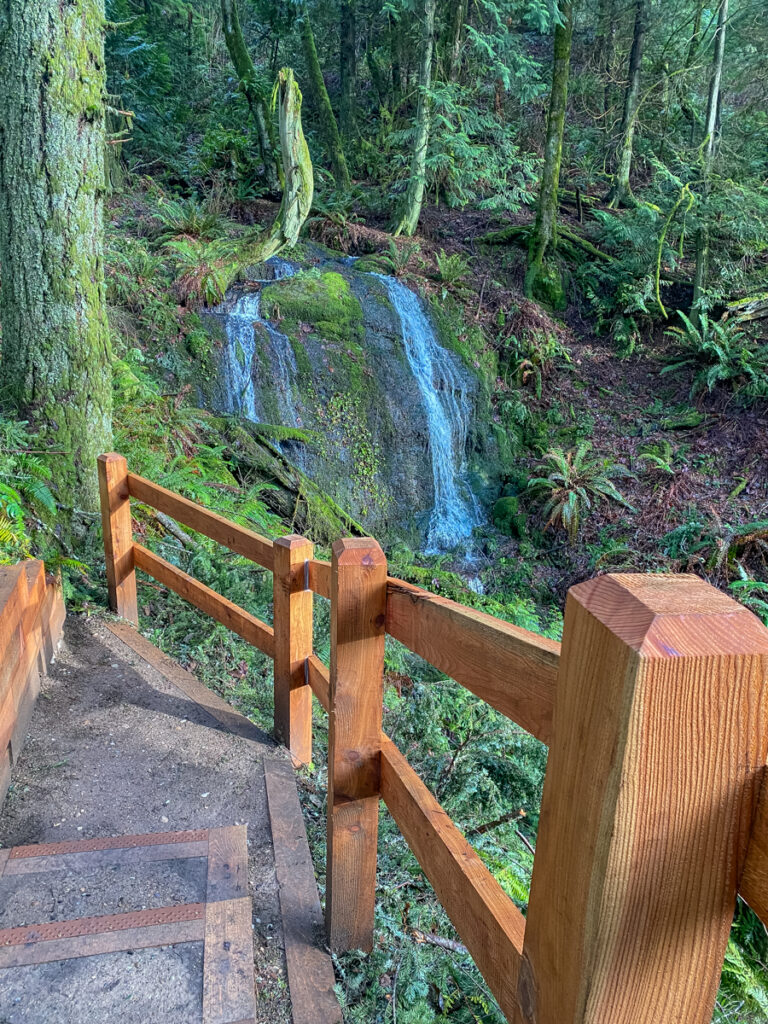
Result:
[
  {"x": 543, "y": 279},
  {"x": 56, "y": 357},
  {"x": 328, "y": 126},
  {"x": 347, "y": 68},
  {"x": 621, "y": 189},
  {"x": 408, "y": 220}
]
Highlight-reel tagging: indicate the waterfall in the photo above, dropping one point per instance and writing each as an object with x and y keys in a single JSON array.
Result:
[
  {"x": 443, "y": 388},
  {"x": 236, "y": 364}
]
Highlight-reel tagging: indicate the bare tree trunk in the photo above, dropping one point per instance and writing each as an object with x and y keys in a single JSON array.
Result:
[
  {"x": 57, "y": 363},
  {"x": 454, "y": 35},
  {"x": 347, "y": 68},
  {"x": 543, "y": 280},
  {"x": 621, "y": 190},
  {"x": 408, "y": 219},
  {"x": 253, "y": 92},
  {"x": 711, "y": 141},
  {"x": 328, "y": 124}
]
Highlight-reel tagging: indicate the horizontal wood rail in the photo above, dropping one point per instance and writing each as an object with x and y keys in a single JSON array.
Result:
[
  {"x": 237, "y": 538},
  {"x": 511, "y": 669},
  {"x": 228, "y": 614},
  {"x": 655, "y": 805}
]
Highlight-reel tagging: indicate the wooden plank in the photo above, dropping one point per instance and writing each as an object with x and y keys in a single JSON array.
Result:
[
  {"x": 227, "y": 863},
  {"x": 33, "y": 850},
  {"x": 87, "y": 860},
  {"x": 211, "y": 703},
  {"x": 319, "y": 679},
  {"x": 293, "y": 644},
  {"x": 510, "y": 668},
  {"x": 257, "y": 633},
  {"x": 310, "y": 970},
  {"x": 753, "y": 886},
  {"x": 13, "y": 602},
  {"x": 320, "y": 578},
  {"x": 659, "y": 741},
  {"x": 102, "y": 942},
  {"x": 228, "y": 982},
  {"x": 118, "y": 535},
  {"x": 489, "y": 923},
  {"x": 237, "y": 538},
  {"x": 358, "y": 607}
]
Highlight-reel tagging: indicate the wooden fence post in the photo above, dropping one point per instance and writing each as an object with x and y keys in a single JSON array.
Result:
[
  {"x": 118, "y": 536},
  {"x": 660, "y": 733},
  {"x": 358, "y": 612},
  {"x": 293, "y": 645}
]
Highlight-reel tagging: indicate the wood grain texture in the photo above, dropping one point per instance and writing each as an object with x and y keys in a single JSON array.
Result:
[
  {"x": 319, "y": 678},
  {"x": 256, "y": 632},
  {"x": 659, "y": 738},
  {"x": 237, "y": 538},
  {"x": 227, "y": 863},
  {"x": 293, "y": 644},
  {"x": 753, "y": 886},
  {"x": 310, "y": 970},
  {"x": 358, "y": 609},
  {"x": 228, "y": 981},
  {"x": 88, "y": 860},
  {"x": 489, "y": 923},
  {"x": 320, "y": 578},
  {"x": 510, "y": 668},
  {"x": 118, "y": 536}
]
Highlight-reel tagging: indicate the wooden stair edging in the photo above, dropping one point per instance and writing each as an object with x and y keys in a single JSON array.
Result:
[
  {"x": 222, "y": 922},
  {"x": 309, "y": 966},
  {"x": 31, "y": 621}
]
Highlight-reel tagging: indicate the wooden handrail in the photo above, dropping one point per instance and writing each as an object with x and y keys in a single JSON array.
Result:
[
  {"x": 237, "y": 538},
  {"x": 511, "y": 669},
  {"x": 488, "y": 922},
  {"x": 658, "y": 745},
  {"x": 256, "y": 632}
]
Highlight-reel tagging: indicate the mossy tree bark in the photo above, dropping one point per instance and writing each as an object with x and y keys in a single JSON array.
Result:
[
  {"x": 711, "y": 141},
  {"x": 543, "y": 280},
  {"x": 453, "y": 39},
  {"x": 408, "y": 219},
  {"x": 254, "y": 92},
  {"x": 347, "y": 68},
  {"x": 621, "y": 190},
  {"x": 328, "y": 126},
  {"x": 56, "y": 357}
]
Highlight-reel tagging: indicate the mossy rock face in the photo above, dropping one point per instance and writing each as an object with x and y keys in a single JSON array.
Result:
[
  {"x": 324, "y": 300},
  {"x": 508, "y": 518}
]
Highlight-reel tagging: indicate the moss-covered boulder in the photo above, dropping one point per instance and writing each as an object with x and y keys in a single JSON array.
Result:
[
  {"x": 322, "y": 300},
  {"x": 508, "y": 517}
]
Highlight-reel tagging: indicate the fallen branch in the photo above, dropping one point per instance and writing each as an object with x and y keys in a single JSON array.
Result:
[{"x": 438, "y": 940}]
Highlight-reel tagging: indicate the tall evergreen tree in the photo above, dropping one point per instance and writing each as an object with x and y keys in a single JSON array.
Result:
[
  {"x": 621, "y": 190},
  {"x": 56, "y": 358},
  {"x": 410, "y": 212},
  {"x": 543, "y": 280}
]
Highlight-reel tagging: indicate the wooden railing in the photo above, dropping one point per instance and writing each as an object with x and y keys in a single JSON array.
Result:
[{"x": 655, "y": 710}]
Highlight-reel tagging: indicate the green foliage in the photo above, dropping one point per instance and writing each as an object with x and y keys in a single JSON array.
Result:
[
  {"x": 452, "y": 272},
  {"x": 26, "y": 501},
  {"x": 573, "y": 483},
  {"x": 534, "y": 355},
  {"x": 721, "y": 352},
  {"x": 188, "y": 217}
]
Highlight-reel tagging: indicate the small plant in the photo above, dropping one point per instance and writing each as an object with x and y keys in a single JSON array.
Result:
[
  {"x": 534, "y": 356},
  {"x": 722, "y": 353},
  {"x": 201, "y": 268},
  {"x": 29, "y": 499},
  {"x": 572, "y": 482},
  {"x": 396, "y": 260},
  {"x": 187, "y": 217},
  {"x": 452, "y": 272},
  {"x": 662, "y": 457},
  {"x": 752, "y": 593}
]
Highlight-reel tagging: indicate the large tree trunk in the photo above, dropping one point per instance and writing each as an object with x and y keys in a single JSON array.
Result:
[
  {"x": 56, "y": 358},
  {"x": 328, "y": 126},
  {"x": 543, "y": 280},
  {"x": 621, "y": 190},
  {"x": 453, "y": 38},
  {"x": 606, "y": 37},
  {"x": 711, "y": 141},
  {"x": 253, "y": 92},
  {"x": 408, "y": 220},
  {"x": 347, "y": 68}
]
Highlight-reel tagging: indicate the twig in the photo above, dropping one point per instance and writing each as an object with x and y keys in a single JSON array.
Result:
[
  {"x": 480, "y": 830},
  {"x": 173, "y": 528},
  {"x": 438, "y": 940},
  {"x": 525, "y": 841}
]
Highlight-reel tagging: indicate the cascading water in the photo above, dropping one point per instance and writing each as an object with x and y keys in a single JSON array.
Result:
[
  {"x": 236, "y": 364},
  {"x": 444, "y": 392}
]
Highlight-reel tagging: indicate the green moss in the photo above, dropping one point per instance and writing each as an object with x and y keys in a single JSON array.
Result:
[
  {"x": 508, "y": 518},
  {"x": 323, "y": 300}
]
